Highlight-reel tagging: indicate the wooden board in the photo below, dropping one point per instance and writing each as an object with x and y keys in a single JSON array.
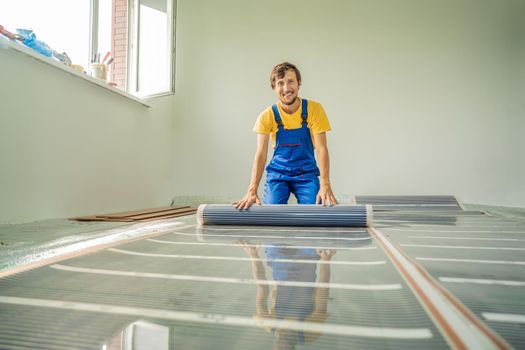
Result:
[{"x": 141, "y": 215}]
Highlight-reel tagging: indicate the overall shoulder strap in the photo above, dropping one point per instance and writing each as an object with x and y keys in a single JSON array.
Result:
[
  {"x": 304, "y": 110},
  {"x": 277, "y": 116}
]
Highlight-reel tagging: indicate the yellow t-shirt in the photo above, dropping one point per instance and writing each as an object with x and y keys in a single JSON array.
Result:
[{"x": 317, "y": 120}]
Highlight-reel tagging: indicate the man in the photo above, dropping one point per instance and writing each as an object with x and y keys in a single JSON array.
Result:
[{"x": 297, "y": 127}]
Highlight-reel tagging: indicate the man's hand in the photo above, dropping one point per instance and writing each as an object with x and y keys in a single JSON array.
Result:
[
  {"x": 252, "y": 250},
  {"x": 250, "y": 198},
  {"x": 326, "y": 254},
  {"x": 325, "y": 196}
]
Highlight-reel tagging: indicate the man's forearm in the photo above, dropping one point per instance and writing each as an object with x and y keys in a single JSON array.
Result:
[
  {"x": 257, "y": 170},
  {"x": 322, "y": 294},
  {"x": 323, "y": 160},
  {"x": 258, "y": 270},
  {"x": 259, "y": 274}
]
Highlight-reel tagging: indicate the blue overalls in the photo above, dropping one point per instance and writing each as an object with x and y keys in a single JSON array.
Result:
[
  {"x": 293, "y": 168},
  {"x": 292, "y": 302}
]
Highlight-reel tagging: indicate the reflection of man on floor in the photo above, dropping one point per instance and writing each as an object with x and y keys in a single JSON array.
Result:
[{"x": 291, "y": 302}]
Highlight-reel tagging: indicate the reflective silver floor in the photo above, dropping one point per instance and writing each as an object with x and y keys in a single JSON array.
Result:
[{"x": 275, "y": 288}]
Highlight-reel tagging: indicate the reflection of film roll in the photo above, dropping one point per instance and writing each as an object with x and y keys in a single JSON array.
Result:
[
  {"x": 286, "y": 215},
  {"x": 99, "y": 71},
  {"x": 286, "y": 236}
]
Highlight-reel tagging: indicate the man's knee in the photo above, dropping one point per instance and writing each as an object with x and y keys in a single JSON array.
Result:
[
  {"x": 306, "y": 198},
  {"x": 306, "y": 191},
  {"x": 276, "y": 192}
]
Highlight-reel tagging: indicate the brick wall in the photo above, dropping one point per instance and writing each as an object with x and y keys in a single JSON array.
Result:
[{"x": 119, "y": 43}]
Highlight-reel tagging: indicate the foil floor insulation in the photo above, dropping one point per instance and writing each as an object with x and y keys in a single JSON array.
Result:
[{"x": 261, "y": 287}]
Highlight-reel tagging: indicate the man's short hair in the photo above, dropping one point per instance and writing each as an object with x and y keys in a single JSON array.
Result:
[{"x": 280, "y": 70}]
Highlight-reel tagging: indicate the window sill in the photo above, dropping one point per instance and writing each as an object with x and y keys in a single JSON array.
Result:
[{"x": 27, "y": 51}]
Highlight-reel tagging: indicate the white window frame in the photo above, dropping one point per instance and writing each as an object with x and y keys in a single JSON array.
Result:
[
  {"x": 134, "y": 47},
  {"x": 93, "y": 29}
]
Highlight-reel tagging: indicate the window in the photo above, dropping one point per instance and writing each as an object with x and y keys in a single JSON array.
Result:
[
  {"x": 134, "y": 36},
  {"x": 151, "y": 47}
]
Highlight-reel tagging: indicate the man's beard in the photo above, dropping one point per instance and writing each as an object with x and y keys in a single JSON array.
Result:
[{"x": 289, "y": 103}]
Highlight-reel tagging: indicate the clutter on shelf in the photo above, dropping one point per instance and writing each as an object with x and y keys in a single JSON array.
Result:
[
  {"x": 97, "y": 69},
  {"x": 28, "y": 38}
]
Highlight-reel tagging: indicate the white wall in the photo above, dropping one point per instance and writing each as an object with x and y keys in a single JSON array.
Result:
[
  {"x": 518, "y": 96},
  {"x": 68, "y": 147},
  {"x": 420, "y": 94}
]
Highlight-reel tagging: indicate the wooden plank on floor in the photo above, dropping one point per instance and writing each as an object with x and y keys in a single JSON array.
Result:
[
  {"x": 96, "y": 218},
  {"x": 171, "y": 216},
  {"x": 138, "y": 215},
  {"x": 161, "y": 214},
  {"x": 139, "y": 212}
]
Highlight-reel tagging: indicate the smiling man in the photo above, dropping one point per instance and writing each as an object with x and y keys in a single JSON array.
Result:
[{"x": 297, "y": 126}]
